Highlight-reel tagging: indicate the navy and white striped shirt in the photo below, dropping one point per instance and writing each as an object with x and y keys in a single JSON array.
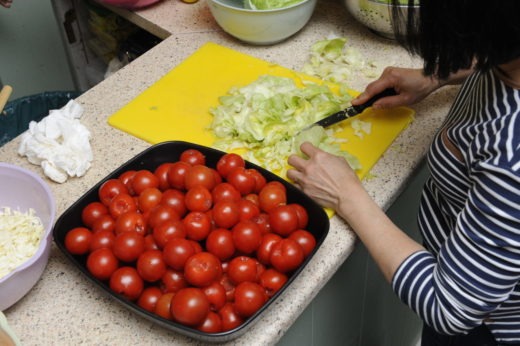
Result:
[{"x": 470, "y": 217}]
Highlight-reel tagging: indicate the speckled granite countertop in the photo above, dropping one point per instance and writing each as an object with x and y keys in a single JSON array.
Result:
[{"x": 65, "y": 309}]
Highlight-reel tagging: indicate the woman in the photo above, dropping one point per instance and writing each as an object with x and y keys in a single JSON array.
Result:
[{"x": 464, "y": 281}]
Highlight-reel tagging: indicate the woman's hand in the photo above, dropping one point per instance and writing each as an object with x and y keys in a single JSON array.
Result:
[
  {"x": 6, "y": 3},
  {"x": 410, "y": 84}
]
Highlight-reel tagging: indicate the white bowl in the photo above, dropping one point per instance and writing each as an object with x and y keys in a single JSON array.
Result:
[
  {"x": 261, "y": 27},
  {"x": 21, "y": 189}
]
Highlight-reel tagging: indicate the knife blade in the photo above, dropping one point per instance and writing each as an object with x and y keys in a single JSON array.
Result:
[{"x": 350, "y": 111}]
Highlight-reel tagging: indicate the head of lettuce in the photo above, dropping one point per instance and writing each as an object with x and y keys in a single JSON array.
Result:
[{"x": 269, "y": 4}]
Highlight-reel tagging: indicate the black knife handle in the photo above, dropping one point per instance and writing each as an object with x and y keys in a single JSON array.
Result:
[{"x": 370, "y": 102}]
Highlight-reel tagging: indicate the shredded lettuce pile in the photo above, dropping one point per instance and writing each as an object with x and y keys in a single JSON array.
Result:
[
  {"x": 269, "y": 4},
  {"x": 266, "y": 117}
]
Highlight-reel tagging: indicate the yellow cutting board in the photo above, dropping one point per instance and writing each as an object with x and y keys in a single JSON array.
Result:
[{"x": 176, "y": 107}]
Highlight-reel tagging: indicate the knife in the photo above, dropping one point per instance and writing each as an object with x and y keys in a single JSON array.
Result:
[{"x": 351, "y": 111}]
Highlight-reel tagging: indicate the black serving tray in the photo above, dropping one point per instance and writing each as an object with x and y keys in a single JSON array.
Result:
[{"x": 150, "y": 159}]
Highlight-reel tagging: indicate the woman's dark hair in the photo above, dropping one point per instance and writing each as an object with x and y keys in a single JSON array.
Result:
[{"x": 450, "y": 35}]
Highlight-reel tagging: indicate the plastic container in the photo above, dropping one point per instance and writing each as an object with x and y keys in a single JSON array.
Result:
[{"x": 151, "y": 159}]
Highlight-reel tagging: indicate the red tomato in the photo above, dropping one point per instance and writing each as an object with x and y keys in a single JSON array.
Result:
[
  {"x": 120, "y": 204},
  {"x": 225, "y": 192},
  {"x": 305, "y": 239},
  {"x": 149, "y": 298},
  {"x": 92, "y": 212},
  {"x": 283, "y": 219},
  {"x": 230, "y": 318},
  {"x": 177, "y": 174},
  {"x": 259, "y": 179},
  {"x": 272, "y": 280},
  {"x": 128, "y": 246},
  {"x": 189, "y": 306},
  {"x": 248, "y": 210},
  {"x": 126, "y": 281},
  {"x": 286, "y": 255},
  {"x": 102, "y": 239},
  {"x": 193, "y": 157},
  {"x": 173, "y": 280},
  {"x": 196, "y": 246},
  {"x": 263, "y": 253},
  {"x": 163, "y": 306},
  {"x": 102, "y": 263},
  {"x": 161, "y": 172},
  {"x": 168, "y": 230},
  {"x": 149, "y": 243},
  {"x": 199, "y": 175},
  {"x": 216, "y": 294},
  {"x": 229, "y": 286},
  {"x": 247, "y": 236},
  {"x": 225, "y": 214},
  {"x": 212, "y": 323},
  {"x": 126, "y": 179},
  {"x": 176, "y": 252},
  {"x": 202, "y": 269},
  {"x": 262, "y": 221},
  {"x": 197, "y": 225},
  {"x": 104, "y": 223},
  {"x": 175, "y": 199},
  {"x": 144, "y": 179},
  {"x": 278, "y": 184},
  {"x": 151, "y": 266},
  {"x": 160, "y": 214},
  {"x": 131, "y": 221},
  {"x": 77, "y": 240},
  {"x": 228, "y": 162},
  {"x": 242, "y": 180},
  {"x": 242, "y": 268},
  {"x": 249, "y": 297},
  {"x": 198, "y": 198},
  {"x": 110, "y": 189},
  {"x": 216, "y": 175},
  {"x": 303, "y": 216},
  {"x": 220, "y": 243},
  {"x": 253, "y": 197},
  {"x": 271, "y": 196},
  {"x": 149, "y": 198}
]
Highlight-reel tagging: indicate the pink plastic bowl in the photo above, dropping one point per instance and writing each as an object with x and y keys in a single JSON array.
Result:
[
  {"x": 22, "y": 190},
  {"x": 130, "y": 4}
]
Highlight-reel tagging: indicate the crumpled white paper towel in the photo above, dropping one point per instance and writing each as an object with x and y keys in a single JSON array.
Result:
[{"x": 59, "y": 143}]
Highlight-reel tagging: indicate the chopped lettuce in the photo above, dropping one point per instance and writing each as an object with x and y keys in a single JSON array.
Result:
[
  {"x": 360, "y": 127},
  {"x": 268, "y": 4}
]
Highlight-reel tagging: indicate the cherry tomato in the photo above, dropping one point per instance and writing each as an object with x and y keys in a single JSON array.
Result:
[
  {"x": 228, "y": 162},
  {"x": 143, "y": 180},
  {"x": 212, "y": 323},
  {"x": 216, "y": 294},
  {"x": 193, "y": 157},
  {"x": 120, "y": 204},
  {"x": 176, "y": 252},
  {"x": 283, "y": 219},
  {"x": 161, "y": 172},
  {"x": 242, "y": 268},
  {"x": 202, "y": 269},
  {"x": 189, "y": 306},
  {"x": 229, "y": 286},
  {"x": 162, "y": 308},
  {"x": 286, "y": 255},
  {"x": 278, "y": 184},
  {"x": 77, "y": 240},
  {"x": 248, "y": 210},
  {"x": 92, "y": 212},
  {"x": 126, "y": 179},
  {"x": 102, "y": 239},
  {"x": 177, "y": 174},
  {"x": 126, "y": 281},
  {"x": 216, "y": 175},
  {"x": 196, "y": 245},
  {"x": 253, "y": 197},
  {"x": 160, "y": 214},
  {"x": 230, "y": 318},
  {"x": 149, "y": 298},
  {"x": 249, "y": 297},
  {"x": 272, "y": 280},
  {"x": 175, "y": 199},
  {"x": 110, "y": 189},
  {"x": 226, "y": 214},
  {"x": 151, "y": 266},
  {"x": 149, "y": 198},
  {"x": 303, "y": 216},
  {"x": 242, "y": 180},
  {"x": 247, "y": 236},
  {"x": 173, "y": 280},
  {"x": 128, "y": 246},
  {"x": 305, "y": 239},
  {"x": 198, "y": 198},
  {"x": 263, "y": 253},
  {"x": 262, "y": 221},
  {"x": 102, "y": 263},
  {"x": 131, "y": 222},
  {"x": 259, "y": 179},
  {"x": 225, "y": 192},
  {"x": 104, "y": 223},
  {"x": 197, "y": 225},
  {"x": 271, "y": 196},
  {"x": 149, "y": 243},
  {"x": 199, "y": 175},
  {"x": 168, "y": 230},
  {"x": 220, "y": 243}
]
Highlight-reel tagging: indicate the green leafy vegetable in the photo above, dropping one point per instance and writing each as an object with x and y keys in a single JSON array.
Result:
[{"x": 269, "y": 4}]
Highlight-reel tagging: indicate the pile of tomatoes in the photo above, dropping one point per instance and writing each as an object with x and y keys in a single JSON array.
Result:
[{"x": 202, "y": 246}]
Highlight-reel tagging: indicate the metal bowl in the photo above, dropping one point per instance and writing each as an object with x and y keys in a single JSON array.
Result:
[{"x": 374, "y": 14}]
